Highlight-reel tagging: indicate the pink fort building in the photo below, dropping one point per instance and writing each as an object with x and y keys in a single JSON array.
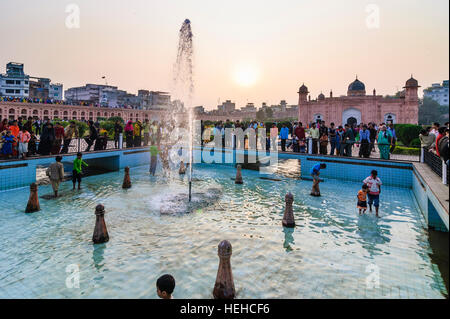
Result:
[{"x": 357, "y": 107}]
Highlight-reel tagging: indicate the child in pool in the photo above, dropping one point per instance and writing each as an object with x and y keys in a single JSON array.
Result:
[
  {"x": 165, "y": 286},
  {"x": 362, "y": 199}
]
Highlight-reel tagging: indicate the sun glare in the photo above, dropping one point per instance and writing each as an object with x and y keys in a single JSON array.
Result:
[{"x": 246, "y": 75}]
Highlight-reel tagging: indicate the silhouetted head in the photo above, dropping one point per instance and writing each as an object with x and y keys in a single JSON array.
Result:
[{"x": 165, "y": 286}]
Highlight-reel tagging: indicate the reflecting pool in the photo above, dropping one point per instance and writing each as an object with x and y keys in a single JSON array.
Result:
[{"x": 332, "y": 253}]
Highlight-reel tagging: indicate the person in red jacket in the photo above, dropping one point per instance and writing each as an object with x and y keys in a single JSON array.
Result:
[
  {"x": 300, "y": 131},
  {"x": 441, "y": 134},
  {"x": 59, "y": 137},
  {"x": 299, "y": 135}
]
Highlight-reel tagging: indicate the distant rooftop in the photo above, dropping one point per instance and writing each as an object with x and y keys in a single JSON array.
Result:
[{"x": 14, "y": 69}]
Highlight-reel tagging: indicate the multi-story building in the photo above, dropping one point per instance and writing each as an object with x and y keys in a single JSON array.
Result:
[
  {"x": 250, "y": 107},
  {"x": 90, "y": 94},
  {"x": 153, "y": 100},
  {"x": 56, "y": 92},
  {"x": 227, "y": 107},
  {"x": 199, "y": 109},
  {"x": 14, "y": 83},
  {"x": 438, "y": 92},
  {"x": 39, "y": 88}
]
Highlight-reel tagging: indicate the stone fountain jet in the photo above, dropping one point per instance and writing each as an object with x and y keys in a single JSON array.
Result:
[
  {"x": 288, "y": 218},
  {"x": 126, "y": 179},
  {"x": 33, "y": 201},
  {"x": 238, "y": 179},
  {"x": 100, "y": 232},
  {"x": 179, "y": 204},
  {"x": 224, "y": 286}
]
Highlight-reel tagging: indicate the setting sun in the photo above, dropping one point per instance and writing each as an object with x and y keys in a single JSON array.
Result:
[{"x": 246, "y": 75}]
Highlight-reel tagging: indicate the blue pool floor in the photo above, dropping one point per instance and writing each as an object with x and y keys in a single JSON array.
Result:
[{"x": 332, "y": 253}]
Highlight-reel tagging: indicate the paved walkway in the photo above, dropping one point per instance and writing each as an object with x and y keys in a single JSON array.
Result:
[{"x": 435, "y": 183}]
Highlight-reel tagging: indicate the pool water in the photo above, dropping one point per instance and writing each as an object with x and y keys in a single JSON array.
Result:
[{"x": 332, "y": 253}]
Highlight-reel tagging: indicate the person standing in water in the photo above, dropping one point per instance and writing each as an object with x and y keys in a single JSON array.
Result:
[
  {"x": 362, "y": 199},
  {"x": 374, "y": 184},
  {"x": 315, "y": 172},
  {"x": 56, "y": 174},
  {"x": 154, "y": 150},
  {"x": 78, "y": 163}
]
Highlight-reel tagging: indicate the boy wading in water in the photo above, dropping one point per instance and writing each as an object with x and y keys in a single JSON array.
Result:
[
  {"x": 154, "y": 150},
  {"x": 315, "y": 172},
  {"x": 165, "y": 286},
  {"x": 78, "y": 163},
  {"x": 373, "y": 182},
  {"x": 56, "y": 174},
  {"x": 362, "y": 199}
]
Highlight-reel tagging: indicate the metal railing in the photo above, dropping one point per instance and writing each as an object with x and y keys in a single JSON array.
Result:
[
  {"x": 436, "y": 164},
  {"x": 371, "y": 152},
  {"x": 79, "y": 145}
]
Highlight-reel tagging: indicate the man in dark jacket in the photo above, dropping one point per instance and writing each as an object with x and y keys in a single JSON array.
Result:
[
  {"x": 349, "y": 139},
  {"x": 118, "y": 129},
  {"x": 323, "y": 129},
  {"x": 93, "y": 134}
]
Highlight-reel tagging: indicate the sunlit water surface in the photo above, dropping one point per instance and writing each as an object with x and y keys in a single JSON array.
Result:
[{"x": 332, "y": 253}]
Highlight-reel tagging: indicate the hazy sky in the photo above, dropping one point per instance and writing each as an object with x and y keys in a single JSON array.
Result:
[{"x": 245, "y": 50}]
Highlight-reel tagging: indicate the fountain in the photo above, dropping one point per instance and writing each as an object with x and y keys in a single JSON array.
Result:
[
  {"x": 183, "y": 89},
  {"x": 184, "y": 84},
  {"x": 33, "y": 201}
]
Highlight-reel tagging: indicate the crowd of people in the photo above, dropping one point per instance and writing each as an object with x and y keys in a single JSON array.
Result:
[
  {"x": 57, "y": 102},
  {"x": 24, "y": 138},
  {"x": 434, "y": 138},
  {"x": 341, "y": 139}
]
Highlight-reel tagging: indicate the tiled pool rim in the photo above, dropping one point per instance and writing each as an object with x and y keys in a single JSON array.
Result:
[{"x": 21, "y": 173}]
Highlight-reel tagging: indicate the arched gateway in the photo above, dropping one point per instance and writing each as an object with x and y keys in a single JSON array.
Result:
[{"x": 351, "y": 116}]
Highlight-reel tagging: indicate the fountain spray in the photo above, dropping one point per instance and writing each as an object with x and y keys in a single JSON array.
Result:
[{"x": 184, "y": 84}]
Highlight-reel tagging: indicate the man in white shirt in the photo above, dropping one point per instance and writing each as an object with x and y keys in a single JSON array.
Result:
[{"x": 374, "y": 184}]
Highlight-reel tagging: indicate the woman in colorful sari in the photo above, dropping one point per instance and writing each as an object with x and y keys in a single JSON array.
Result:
[
  {"x": 7, "y": 140},
  {"x": 384, "y": 142},
  {"x": 129, "y": 134}
]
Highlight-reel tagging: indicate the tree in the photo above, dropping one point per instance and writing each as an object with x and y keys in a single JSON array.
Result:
[
  {"x": 431, "y": 111},
  {"x": 260, "y": 115}
]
